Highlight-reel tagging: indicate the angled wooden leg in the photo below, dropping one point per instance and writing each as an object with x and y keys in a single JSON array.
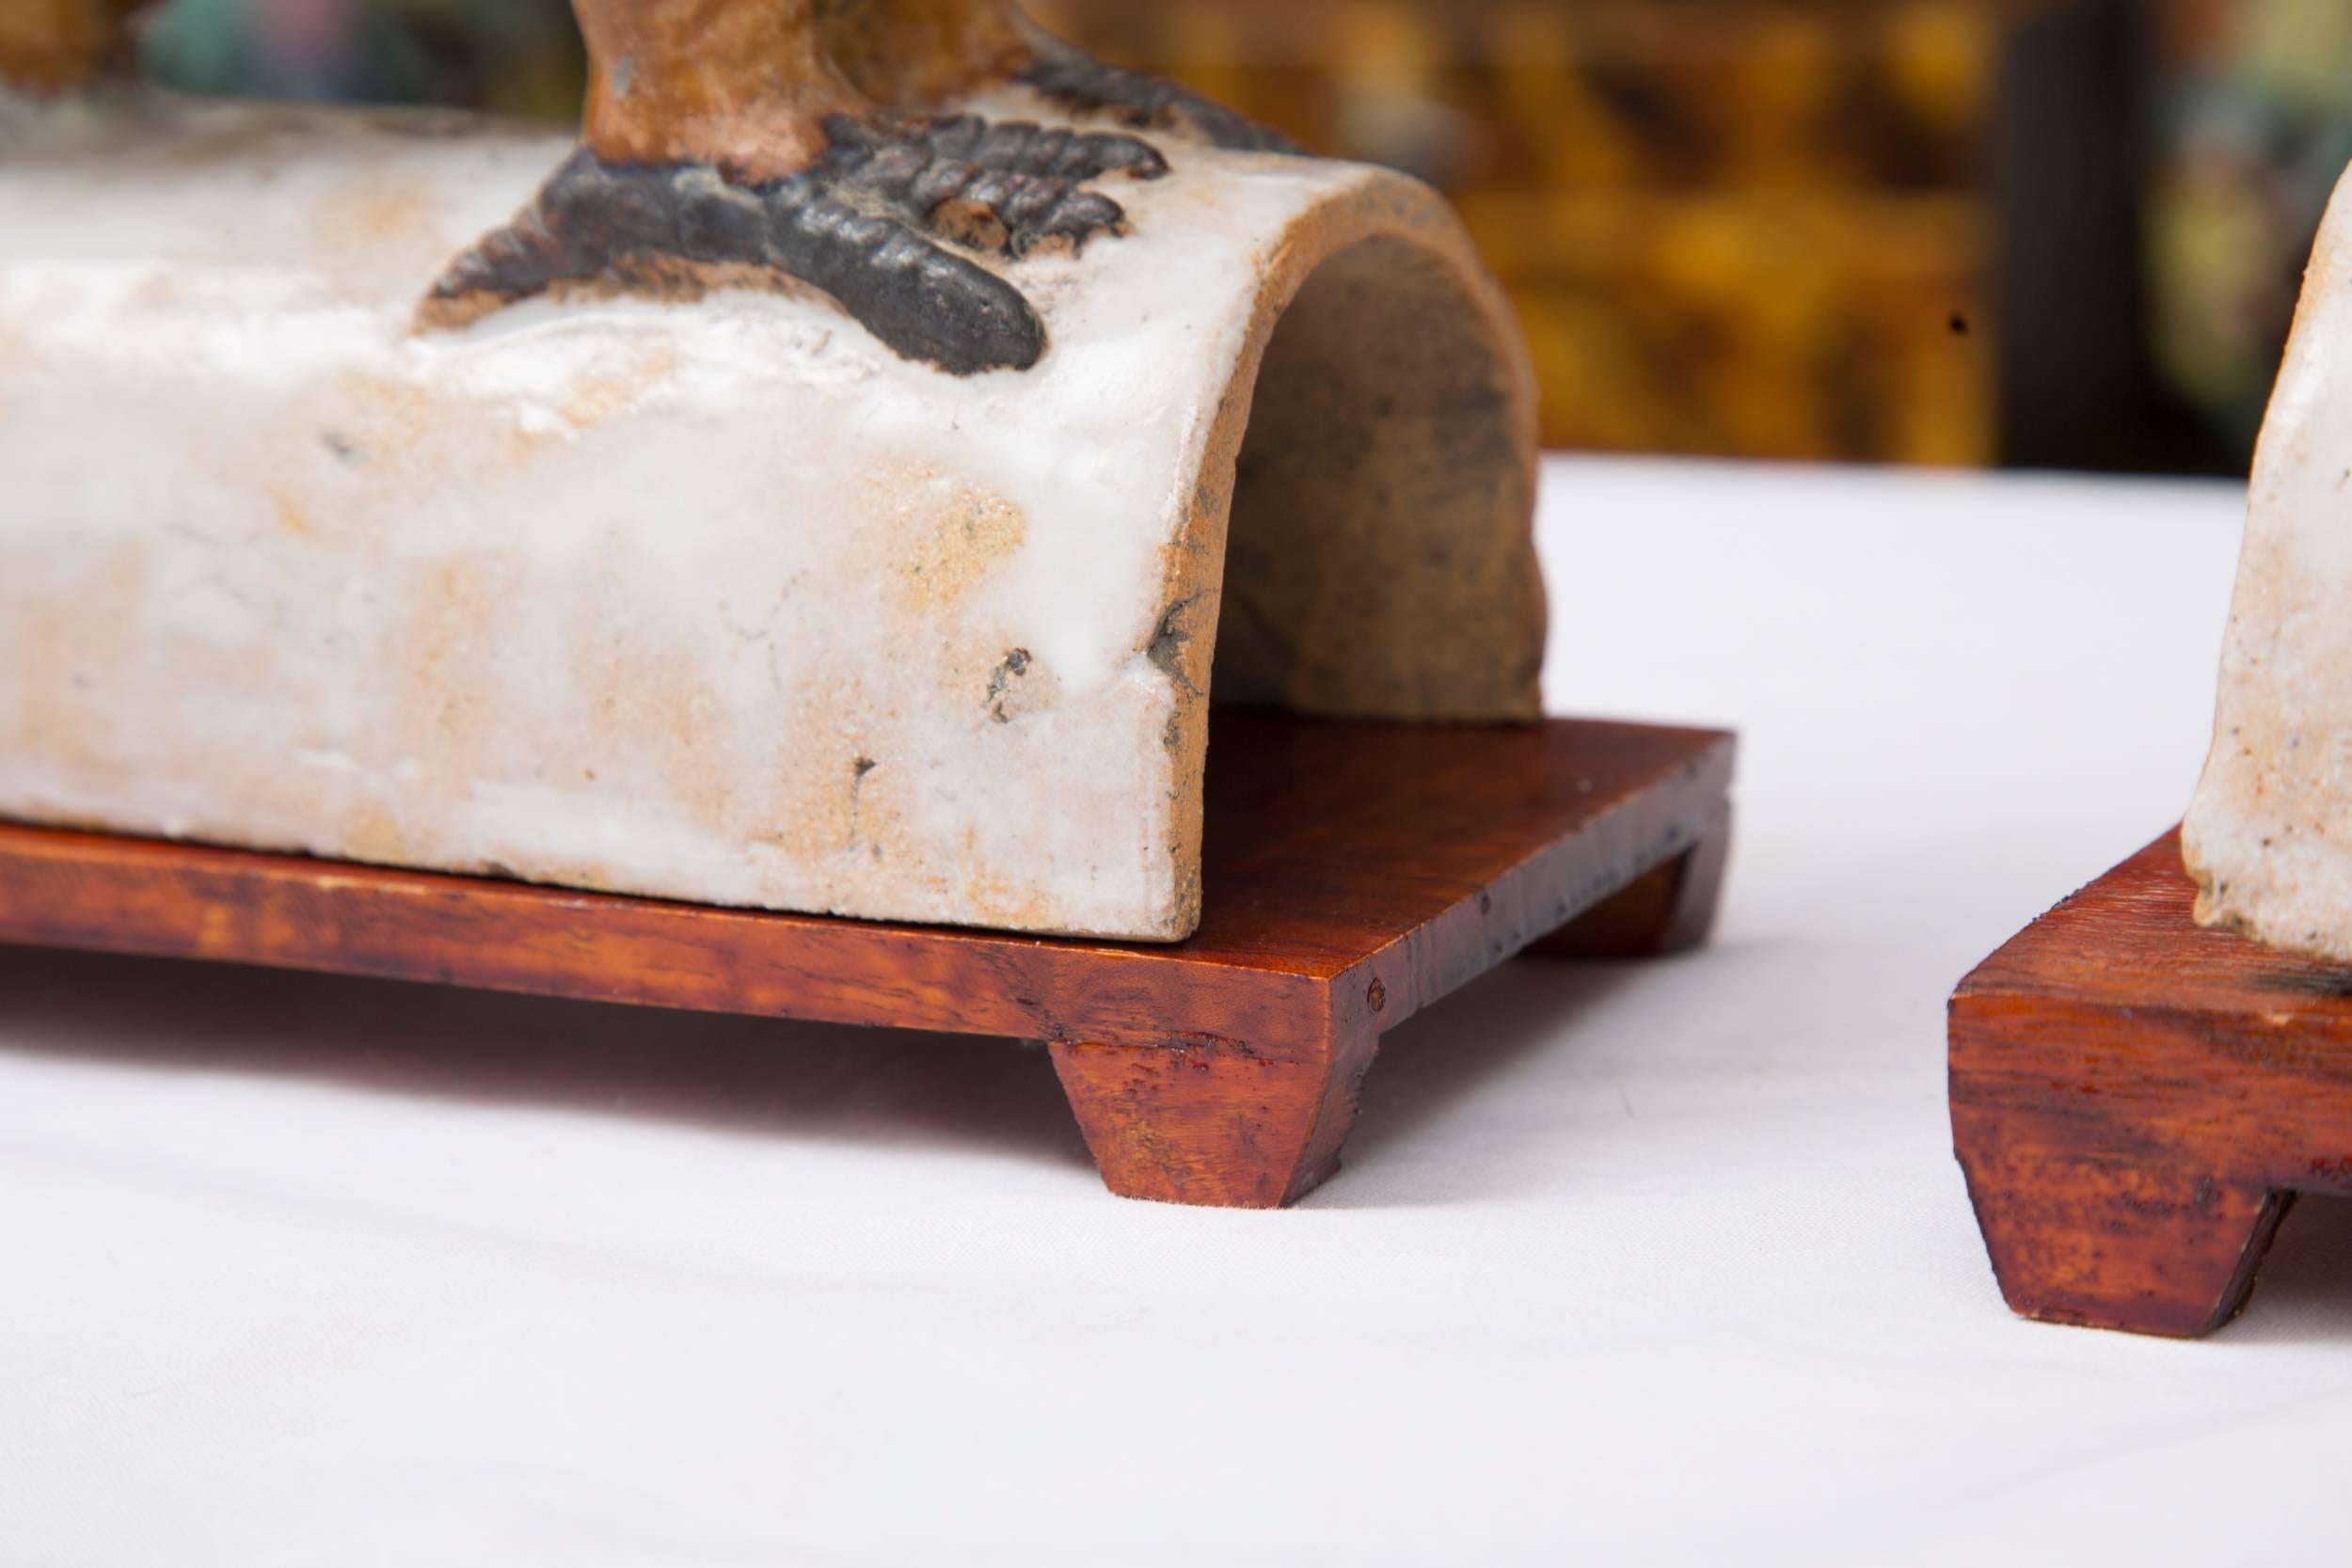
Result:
[
  {"x": 1214, "y": 1121},
  {"x": 2114, "y": 1241},
  {"x": 1664, "y": 910}
]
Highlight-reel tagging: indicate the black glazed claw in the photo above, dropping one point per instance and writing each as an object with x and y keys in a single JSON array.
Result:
[
  {"x": 1008, "y": 187},
  {"x": 848, "y": 226},
  {"x": 1008, "y": 145},
  {"x": 634, "y": 223}
]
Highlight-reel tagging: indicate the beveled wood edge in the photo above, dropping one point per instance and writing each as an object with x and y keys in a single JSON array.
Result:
[
  {"x": 1676, "y": 819},
  {"x": 2132, "y": 1113},
  {"x": 1097, "y": 991},
  {"x": 1987, "y": 976},
  {"x": 1669, "y": 909},
  {"x": 710, "y": 958}
]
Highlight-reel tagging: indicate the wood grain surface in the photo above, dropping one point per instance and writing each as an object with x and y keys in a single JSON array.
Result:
[
  {"x": 1354, "y": 872},
  {"x": 2135, "y": 1098}
]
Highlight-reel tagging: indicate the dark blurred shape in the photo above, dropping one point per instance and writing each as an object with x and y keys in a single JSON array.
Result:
[{"x": 2079, "y": 382}]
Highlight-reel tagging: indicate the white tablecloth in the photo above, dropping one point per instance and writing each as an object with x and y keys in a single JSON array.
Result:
[{"x": 1638, "y": 1263}]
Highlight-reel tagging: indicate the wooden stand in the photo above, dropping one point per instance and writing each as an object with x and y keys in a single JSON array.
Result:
[
  {"x": 2137, "y": 1099},
  {"x": 1354, "y": 872}
]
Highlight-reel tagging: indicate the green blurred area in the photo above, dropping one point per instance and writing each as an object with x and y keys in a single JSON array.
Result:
[
  {"x": 515, "y": 56},
  {"x": 2255, "y": 128}
]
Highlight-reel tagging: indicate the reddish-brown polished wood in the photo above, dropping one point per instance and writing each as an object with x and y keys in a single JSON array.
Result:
[
  {"x": 2135, "y": 1098},
  {"x": 1670, "y": 909},
  {"x": 1353, "y": 874},
  {"x": 1214, "y": 1121}
]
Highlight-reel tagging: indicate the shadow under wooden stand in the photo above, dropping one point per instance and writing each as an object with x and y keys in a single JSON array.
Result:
[
  {"x": 2135, "y": 1100},
  {"x": 1354, "y": 873}
]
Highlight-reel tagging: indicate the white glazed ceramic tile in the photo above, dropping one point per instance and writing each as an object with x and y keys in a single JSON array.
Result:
[{"x": 724, "y": 602}]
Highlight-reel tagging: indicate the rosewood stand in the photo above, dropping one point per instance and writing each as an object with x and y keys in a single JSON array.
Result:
[
  {"x": 2137, "y": 1099},
  {"x": 1354, "y": 872}
]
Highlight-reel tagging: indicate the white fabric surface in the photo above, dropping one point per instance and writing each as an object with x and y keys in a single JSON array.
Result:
[{"x": 1643, "y": 1264}]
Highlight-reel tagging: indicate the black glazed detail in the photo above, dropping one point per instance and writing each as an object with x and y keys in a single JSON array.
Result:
[
  {"x": 1007, "y": 186},
  {"x": 634, "y": 223},
  {"x": 1083, "y": 84},
  {"x": 848, "y": 226}
]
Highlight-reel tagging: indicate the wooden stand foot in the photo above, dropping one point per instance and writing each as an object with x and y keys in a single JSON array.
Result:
[
  {"x": 2135, "y": 1100},
  {"x": 1214, "y": 1121},
  {"x": 2105, "y": 1243}
]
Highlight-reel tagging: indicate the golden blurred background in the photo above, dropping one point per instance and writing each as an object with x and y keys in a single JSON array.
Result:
[
  {"x": 1729, "y": 226},
  {"x": 1953, "y": 231}
]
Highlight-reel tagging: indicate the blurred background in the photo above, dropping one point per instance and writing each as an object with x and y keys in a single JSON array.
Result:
[{"x": 2033, "y": 233}]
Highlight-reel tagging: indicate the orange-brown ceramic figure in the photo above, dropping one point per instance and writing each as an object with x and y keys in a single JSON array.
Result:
[
  {"x": 814, "y": 140},
  {"x": 775, "y": 141},
  {"x": 52, "y": 44}
]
